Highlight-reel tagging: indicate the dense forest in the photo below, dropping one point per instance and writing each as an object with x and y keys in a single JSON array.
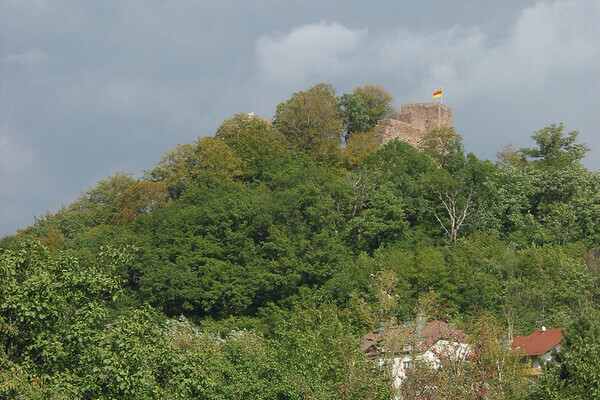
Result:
[{"x": 250, "y": 263}]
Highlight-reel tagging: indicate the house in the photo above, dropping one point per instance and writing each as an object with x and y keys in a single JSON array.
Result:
[
  {"x": 399, "y": 347},
  {"x": 538, "y": 346}
]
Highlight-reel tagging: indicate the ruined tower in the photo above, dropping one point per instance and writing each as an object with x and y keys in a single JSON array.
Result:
[{"x": 413, "y": 122}]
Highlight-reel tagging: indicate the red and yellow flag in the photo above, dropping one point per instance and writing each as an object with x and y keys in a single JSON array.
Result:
[{"x": 437, "y": 93}]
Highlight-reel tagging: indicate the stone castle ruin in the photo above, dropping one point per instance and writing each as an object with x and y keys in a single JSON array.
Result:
[{"x": 413, "y": 122}]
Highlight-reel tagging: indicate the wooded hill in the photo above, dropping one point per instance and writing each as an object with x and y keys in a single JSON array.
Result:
[{"x": 248, "y": 264}]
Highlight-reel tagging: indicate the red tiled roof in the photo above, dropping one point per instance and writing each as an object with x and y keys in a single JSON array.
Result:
[
  {"x": 436, "y": 330},
  {"x": 432, "y": 332},
  {"x": 369, "y": 340},
  {"x": 539, "y": 342}
]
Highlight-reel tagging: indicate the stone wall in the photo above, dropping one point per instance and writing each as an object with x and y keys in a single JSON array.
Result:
[
  {"x": 390, "y": 129},
  {"x": 413, "y": 122}
]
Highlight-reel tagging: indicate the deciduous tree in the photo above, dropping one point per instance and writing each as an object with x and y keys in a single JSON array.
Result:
[
  {"x": 364, "y": 107},
  {"x": 254, "y": 141},
  {"x": 554, "y": 148},
  {"x": 574, "y": 372},
  {"x": 141, "y": 198},
  {"x": 309, "y": 122}
]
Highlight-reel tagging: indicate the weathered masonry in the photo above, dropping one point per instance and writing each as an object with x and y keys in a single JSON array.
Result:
[{"x": 413, "y": 122}]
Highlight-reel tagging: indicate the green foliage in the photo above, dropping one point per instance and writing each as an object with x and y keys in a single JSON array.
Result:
[
  {"x": 9, "y": 242},
  {"x": 551, "y": 199},
  {"x": 554, "y": 149},
  {"x": 141, "y": 198},
  {"x": 505, "y": 207},
  {"x": 574, "y": 372},
  {"x": 101, "y": 202},
  {"x": 58, "y": 341},
  {"x": 274, "y": 228},
  {"x": 254, "y": 141},
  {"x": 49, "y": 306},
  {"x": 352, "y": 109},
  {"x": 175, "y": 168},
  {"x": 196, "y": 254},
  {"x": 548, "y": 286},
  {"x": 445, "y": 147},
  {"x": 309, "y": 122},
  {"x": 358, "y": 147},
  {"x": 180, "y": 167},
  {"x": 486, "y": 369},
  {"x": 220, "y": 251},
  {"x": 382, "y": 221},
  {"x": 377, "y": 101},
  {"x": 323, "y": 361},
  {"x": 406, "y": 174},
  {"x": 363, "y": 108}
]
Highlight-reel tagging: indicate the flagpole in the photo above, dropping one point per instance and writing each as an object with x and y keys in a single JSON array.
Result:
[{"x": 442, "y": 95}]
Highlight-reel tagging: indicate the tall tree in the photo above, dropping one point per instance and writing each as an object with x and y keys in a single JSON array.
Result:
[
  {"x": 141, "y": 198},
  {"x": 254, "y": 141},
  {"x": 364, "y": 107},
  {"x": 574, "y": 373},
  {"x": 445, "y": 147},
  {"x": 310, "y": 123},
  {"x": 377, "y": 101},
  {"x": 564, "y": 198},
  {"x": 101, "y": 202},
  {"x": 181, "y": 166},
  {"x": 554, "y": 147},
  {"x": 352, "y": 109}
]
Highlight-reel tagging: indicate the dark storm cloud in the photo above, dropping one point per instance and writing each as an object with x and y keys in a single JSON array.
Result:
[
  {"x": 501, "y": 89},
  {"x": 89, "y": 88}
]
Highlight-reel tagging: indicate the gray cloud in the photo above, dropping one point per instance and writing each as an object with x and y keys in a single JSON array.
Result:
[
  {"x": 549, "y": 41},
  {"x": 91, "y": 88},
  {"x": 541, "y": 72},
  {"x": 309, "y": 52}
]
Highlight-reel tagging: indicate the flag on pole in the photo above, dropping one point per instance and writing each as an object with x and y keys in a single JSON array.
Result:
[{"x": 437, "y": 93}]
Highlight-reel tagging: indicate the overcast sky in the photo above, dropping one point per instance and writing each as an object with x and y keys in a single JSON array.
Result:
[{"x": 88, "y": 88}]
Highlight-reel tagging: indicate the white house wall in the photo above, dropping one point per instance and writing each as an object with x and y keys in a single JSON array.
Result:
[{"x": 455, "y": 351}]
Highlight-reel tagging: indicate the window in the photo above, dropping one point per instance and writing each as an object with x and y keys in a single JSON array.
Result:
[{"x": 407, "y": 364}]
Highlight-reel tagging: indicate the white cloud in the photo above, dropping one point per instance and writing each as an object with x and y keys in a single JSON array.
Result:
[
  {"x": 33, "y": 56},
  {"x": 548, "y": 42},
  {"x": 315, "y": 51},
  {"x": 128, "y": 82},
  {"x": 542, "y": 71},
  {"x": 325, "y": 52}
]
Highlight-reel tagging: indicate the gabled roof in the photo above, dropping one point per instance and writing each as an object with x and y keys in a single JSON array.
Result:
[
  {"x": 431, "y": 333},
  {"x": 436, "y": 330},
  {"x": 369, "y": 340},
  {"x": 539, "y": 342}
]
